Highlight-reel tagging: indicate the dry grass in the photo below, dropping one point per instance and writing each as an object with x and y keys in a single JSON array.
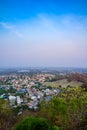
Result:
[{"x": 63, "y": 83}]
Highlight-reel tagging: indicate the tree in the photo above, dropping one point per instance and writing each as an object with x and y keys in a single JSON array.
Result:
[
  {"x": 67, "y": 110},
  {"x": 7, "y": 117},
  {"x": 35, "y": 123}
]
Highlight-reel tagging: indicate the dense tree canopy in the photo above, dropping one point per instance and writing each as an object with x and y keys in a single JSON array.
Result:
[
  {"x": 34, "y": 123},
  {"x": 7, "y": 116},
  {"x": 68, "y": 110}
]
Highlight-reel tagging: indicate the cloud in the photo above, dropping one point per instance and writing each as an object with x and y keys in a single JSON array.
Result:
[{"x": 11, "y": 28}]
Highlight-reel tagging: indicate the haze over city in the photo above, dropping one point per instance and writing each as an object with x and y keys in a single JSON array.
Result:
[{"x": 43, "y": 33}]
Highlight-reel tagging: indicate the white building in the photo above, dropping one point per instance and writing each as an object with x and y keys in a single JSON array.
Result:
[
  {"x": 18, "y": 100},
  {"x": 12, "y": 100}
]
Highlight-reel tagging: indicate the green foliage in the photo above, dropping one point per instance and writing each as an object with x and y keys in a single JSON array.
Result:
[
  {"x": 33, "y": 123},
  {"x": 10, "y": 90},
  {"x": 2, "y": 91},
  {"x": 20, "y": 94},
  {"x": 67, "y": 110},
  {"x": 4, "y": 107},
  {"x": 55, "y": 128},
  {"x": 7, "y": 117}
]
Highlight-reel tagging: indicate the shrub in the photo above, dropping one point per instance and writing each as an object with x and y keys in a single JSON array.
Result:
[{"x": 33, "y": 123}]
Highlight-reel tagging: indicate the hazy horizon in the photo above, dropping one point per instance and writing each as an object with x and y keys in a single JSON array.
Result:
[{"x": 36, "y": 33}]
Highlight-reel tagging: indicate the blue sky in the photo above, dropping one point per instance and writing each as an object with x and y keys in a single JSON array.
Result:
[{"x": 43, "y": 33}]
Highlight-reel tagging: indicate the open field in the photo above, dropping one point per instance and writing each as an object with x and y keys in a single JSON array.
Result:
[{"x": 63, "y": 83}]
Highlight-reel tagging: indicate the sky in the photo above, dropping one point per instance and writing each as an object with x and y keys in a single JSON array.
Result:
[{"x": 40, "y": 33}]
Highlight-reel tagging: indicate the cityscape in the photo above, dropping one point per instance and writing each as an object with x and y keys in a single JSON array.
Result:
[
  {"x": 28, "y": 87},
  {"x": 23, "y": 89},
  {"x": 43, "y": 64}
]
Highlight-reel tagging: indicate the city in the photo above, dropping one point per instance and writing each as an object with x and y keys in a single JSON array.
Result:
[{"x": 43, "y": 65}]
